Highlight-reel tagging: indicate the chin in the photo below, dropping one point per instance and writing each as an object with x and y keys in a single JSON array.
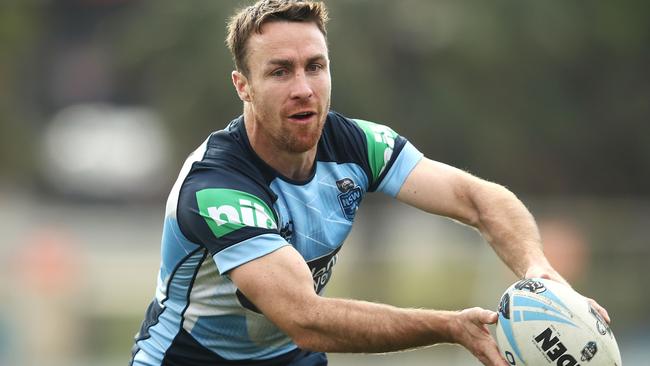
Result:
[
  {"x": 302, "y": 144},
  {"x": 302, "y": 141}
]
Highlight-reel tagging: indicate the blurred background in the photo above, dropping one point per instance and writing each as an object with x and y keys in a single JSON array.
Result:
[{"x": 101, "y": 101}]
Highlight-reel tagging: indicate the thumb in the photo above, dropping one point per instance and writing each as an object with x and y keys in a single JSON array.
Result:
[{"x": 488, "y": 317}]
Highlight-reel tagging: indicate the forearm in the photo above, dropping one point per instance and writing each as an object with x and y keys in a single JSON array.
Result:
[
  {"x": 496, "y": 212},
  {"x": 340, "y": 325},
  {"x": 281, "y": 286},
  {"x": 508, "y": 226}
]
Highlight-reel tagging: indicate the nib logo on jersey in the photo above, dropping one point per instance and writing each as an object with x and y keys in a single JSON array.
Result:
[
  {"x": 227, "y": 210},
  {"x": 349, "y": 197}
]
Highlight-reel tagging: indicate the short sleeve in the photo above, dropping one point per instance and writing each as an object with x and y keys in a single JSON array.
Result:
[
  {"x": 390, "y": 157},
  {"x": 229, "y": 215}
]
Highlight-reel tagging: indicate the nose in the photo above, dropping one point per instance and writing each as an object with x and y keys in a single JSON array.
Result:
[{"x": 301, "y": 88}]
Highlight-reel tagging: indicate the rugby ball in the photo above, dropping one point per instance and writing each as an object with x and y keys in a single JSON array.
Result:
[{"x": 543, "y": 322}]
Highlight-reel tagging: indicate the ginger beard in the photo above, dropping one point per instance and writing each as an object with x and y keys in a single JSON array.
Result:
[{"x": 289, "y": 134}]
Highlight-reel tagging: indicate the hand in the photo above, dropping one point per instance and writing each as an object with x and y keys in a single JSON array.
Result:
[
  {"x": 469, "y": 329},
  {"x": 601, "y": 310},
  {"x": 551, "y": 274},
  {"x": 545, "y": 272}
]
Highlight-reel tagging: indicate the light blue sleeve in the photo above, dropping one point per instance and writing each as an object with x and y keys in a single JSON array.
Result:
[
  {"x": 247, "y": 250},
  {"x": 402, "y": 167}
]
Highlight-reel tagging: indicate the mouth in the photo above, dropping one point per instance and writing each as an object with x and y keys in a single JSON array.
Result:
[{"x": 302, "y": 116}]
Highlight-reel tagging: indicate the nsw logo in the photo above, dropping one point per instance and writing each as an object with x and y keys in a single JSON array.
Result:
[{"x": 349, "y": 197}]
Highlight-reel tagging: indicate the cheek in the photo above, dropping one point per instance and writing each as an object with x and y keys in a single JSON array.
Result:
[
  {"x": 325, "y": 85},
  {"x": 273, "y": 91},
  {"x": 266, "y": 98}
]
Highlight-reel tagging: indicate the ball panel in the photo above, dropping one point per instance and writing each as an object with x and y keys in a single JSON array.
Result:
[{"x": 507, "y": 342}]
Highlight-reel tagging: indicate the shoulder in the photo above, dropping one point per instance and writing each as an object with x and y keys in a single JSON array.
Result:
[
  {"x": 336, "y": 119},
  {"x": 342, "y": 140},
  {"x": 228, "y": 162},
  {"x": 341, "y": 130},
  {"x": 224, "y": 188},
  {"x": 373, "y": 146}
]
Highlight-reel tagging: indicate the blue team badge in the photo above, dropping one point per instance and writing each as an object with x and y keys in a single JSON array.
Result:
[{"x": 349, "y": 197}]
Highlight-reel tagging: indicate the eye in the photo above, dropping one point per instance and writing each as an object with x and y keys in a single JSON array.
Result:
[
  {"x": 279, "y": 72},
  {"x": 314, "y": 67}
]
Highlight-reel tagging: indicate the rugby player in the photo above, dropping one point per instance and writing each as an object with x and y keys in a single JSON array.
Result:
[{"x": 260, "y": 210}]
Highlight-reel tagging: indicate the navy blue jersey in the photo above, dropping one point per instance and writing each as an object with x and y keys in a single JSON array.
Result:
[{"x": 229, "y": 207}]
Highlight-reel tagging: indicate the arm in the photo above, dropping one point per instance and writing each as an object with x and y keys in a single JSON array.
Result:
[
  {"x": 495, "y": 211},
  {"x": 281, "y": 286}
]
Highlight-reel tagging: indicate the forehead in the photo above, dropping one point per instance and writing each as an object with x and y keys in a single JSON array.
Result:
[{"x": 284, "y": 39}]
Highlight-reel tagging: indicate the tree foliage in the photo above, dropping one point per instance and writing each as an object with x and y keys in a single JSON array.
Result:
[{"x": 546, "y": 97}]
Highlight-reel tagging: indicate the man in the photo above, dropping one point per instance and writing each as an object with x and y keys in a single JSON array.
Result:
[{"x": 260, "y": 210}]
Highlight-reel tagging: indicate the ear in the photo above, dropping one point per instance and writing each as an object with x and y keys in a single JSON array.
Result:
[{"x": 242, "y": 86}]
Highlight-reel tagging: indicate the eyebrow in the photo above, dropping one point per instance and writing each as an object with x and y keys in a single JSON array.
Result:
[{"x": 289, "y": 63}]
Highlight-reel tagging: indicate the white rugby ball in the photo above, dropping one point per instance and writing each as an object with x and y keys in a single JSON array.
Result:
[{"x": 543, "y": 322}]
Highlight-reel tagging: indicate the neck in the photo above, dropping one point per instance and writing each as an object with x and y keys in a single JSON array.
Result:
[{"x": 296, "y": 166}]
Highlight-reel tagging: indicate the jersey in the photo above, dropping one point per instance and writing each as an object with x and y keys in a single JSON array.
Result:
[{"x": 228, "y": 207}]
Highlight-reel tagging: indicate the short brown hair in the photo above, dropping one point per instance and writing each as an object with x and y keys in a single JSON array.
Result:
[{"x": 250, "y": 19}]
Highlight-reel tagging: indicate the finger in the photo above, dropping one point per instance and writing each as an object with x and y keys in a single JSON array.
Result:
[
  {"x": 493, "y": 356},
  {"x": 601, "y": 310},
  {"x": 546, "y": 273},
  {"x": 488, "y": 317},
  {"x": 536, "y": 272},
  {"x": 484, "y": 329}
]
